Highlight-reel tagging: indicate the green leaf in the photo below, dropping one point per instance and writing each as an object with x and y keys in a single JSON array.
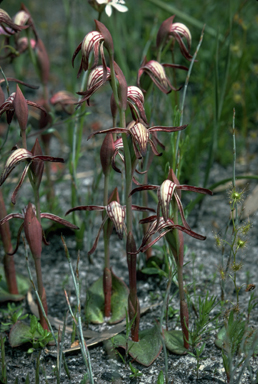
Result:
[
  {"x": 94, "y": 308},
  {"x": 146, "y": 350},
  {"x": 23, "y": 284},
  {"x": 174, "y": 342},
  {"x": 20, "y": 334},
  {"x": 151, "y": 271}
]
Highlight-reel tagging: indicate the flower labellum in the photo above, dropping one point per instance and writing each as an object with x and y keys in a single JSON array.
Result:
[{"x": 157, "y": 74}]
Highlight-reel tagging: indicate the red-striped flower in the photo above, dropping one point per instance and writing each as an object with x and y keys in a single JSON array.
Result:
[
  {"x": 115, "y": 212},
  {"x": 166, "y": 191},
  {"x": 95, "y": 42},
  {"x": 23, "y": 155},
  {"x": 95, "y": 81},
  {"x": 8, "y": 26},
  {"x": 140, "y": 136},
  {"x": 178, "y": 31},
  {"x": 160, "y": 226},
  {"x": 157, "y": 74}
]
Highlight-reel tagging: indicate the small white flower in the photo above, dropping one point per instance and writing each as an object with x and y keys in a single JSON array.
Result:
[{"x": 118, "y": 4}]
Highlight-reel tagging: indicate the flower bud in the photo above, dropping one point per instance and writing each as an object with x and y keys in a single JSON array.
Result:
[
  {"x": 33, "y": 232},
  {"x": 106, "y": 153},
  {"x": 108, "y": 41},
  {"x": 21, "y": 109}
]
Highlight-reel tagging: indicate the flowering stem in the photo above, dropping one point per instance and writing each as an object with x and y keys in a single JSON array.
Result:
[
  {"x": 107, "y": 276},
  {"x": 179, "y": 250},
  {"x": 9, "y": 266},
  {"x": 78, "y": 322},
  {"x": 234, "y": 160},
  {"x": 37, "y": 295},
  {"x": 42, "y": 293},
  {"x": 177, "y": 155},
  {"x": 6, "y": 81}
]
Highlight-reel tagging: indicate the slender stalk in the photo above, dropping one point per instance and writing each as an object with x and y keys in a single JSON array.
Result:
[
  {"x": 42, "y": 294},
  {"x": 78, "y": 127},
  {"x": 177, "y": 154},
  {"x": 78, "y": 322},
  {"x": 234, "y": 160},
  {"x": 24, "y": 140},
  {"x": 107, "y": 276},
  {"x": 6, "y": 81},
  {"x": 179, "y": 256},
  {"x": 37, "y": 295}
]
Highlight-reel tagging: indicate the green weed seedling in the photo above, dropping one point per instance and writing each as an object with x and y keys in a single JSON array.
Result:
[
  {"x": 252, "y": 303},
  {"x": 39, "y": 337},
  {"x": 201, "y": 330},
  {"x": 230, "y": 339},
  {"x": 85, "y": 379},
  {"x": 11, "y": 315},
  {"x": 135, "y": 372}
]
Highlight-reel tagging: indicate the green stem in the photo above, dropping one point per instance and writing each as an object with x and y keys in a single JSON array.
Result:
[
  {"x": 6, "y": 81},
  {"x": 177, "y": 154},
  {"x": 84, "y": 349}
]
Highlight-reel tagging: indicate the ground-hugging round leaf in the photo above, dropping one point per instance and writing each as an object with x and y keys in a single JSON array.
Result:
[
  {"x": 20, "y": 334},
  {"x": 23, "y": 284},
  {"x": 94, "y": 308},
  {"x": 220, "y": 338},
  {"x": 146, "y": 350},
  {"x": 174, "y": 341}
]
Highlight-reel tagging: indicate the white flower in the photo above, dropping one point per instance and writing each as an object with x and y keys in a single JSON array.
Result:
[{"x": 118, "y": 4}]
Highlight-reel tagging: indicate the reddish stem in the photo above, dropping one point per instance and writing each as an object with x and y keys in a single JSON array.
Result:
[
  {"x": 42, "y": 293},
  {"x": 133, "y": 302},
  {"x": 9, "y": 266}
]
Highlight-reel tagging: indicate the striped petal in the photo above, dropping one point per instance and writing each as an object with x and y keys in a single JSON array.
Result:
[
  {"x": 116, "y": 213},
  {"x": 13, "y": 160},
  {"x": 165, "y": 194}
]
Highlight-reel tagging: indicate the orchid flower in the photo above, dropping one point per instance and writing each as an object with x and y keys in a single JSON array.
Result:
[
  {"x": 157, "y": 74},
  {"x": 117, "y": 4},
  {"x": 140, "y": 136},
  {"x": 22, "y": 216},
  {"x": 8, "y": 26},
  {"x": 135, "y": 100},
  {"x": 95, "y": 42},
  {"x": 95, "y": 81},
  {"x": 115, "y": 212},
  {"x": 65, "y": 99},
  {"x": 166, "y": 191},
  {"x": 168, "y": 29},
  {"x": 162, "y": 226},
  {"x": 18, "y": 156}
]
